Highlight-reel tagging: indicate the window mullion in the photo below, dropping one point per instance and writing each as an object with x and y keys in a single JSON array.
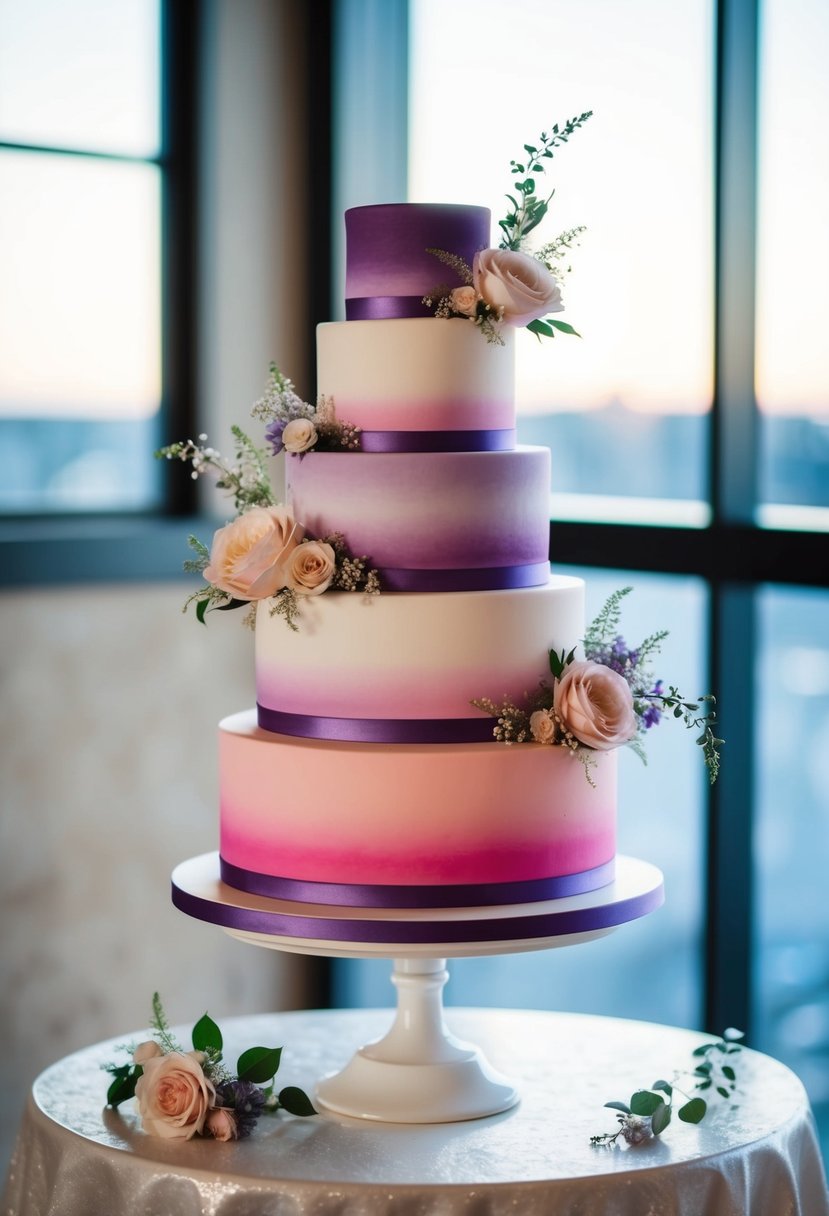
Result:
[{"x": 734, "y": 461}]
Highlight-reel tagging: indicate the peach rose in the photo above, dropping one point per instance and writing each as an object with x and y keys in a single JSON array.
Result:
[
  {"x": 542, "y": 726},
  {"x": 596, "y": 705},
  {"x": 464, "y": 300},
  {"x": 520, "y": 287},
  {"x": 146, "y": 1051},
  {"x": 221, "y": 1124},
  {"x": 311, "y": 567},
  {"x": 174, "y": 1096},
  {"x": 249, "y": 555},
  {"x": 299, "y": 435}
]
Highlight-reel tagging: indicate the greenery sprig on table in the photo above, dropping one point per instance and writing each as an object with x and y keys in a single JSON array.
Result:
[
  {"x": 649, "y": 1111},
  {"x": 184, "y": 1093}
]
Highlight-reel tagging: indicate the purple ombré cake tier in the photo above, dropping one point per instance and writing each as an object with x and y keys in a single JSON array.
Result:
[
  {"x": 448, "y": 521},
  {"x": 388, "y": 266}
]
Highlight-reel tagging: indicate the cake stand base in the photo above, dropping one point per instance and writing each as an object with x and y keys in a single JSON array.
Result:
[{"x": 418, "y": 1072}]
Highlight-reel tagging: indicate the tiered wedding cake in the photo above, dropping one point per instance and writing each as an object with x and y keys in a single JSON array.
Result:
[{"x": 366, "y": 776}]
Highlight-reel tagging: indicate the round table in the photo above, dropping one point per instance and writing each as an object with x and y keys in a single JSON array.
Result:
[{"x": 755, "y": 1154}]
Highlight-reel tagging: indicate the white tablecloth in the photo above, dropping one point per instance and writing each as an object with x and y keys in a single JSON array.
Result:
[{"x": 757, "y": 1154}]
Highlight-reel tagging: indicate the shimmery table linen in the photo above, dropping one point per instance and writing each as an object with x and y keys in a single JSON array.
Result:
[{"x": 757, "y": 1154}]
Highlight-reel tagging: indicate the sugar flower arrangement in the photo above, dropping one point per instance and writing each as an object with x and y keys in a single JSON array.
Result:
[
  {"x": 607, "y": 699},
  {"x": 264, "y": 553},
  {"x": 512, "y": 285},
  {"x": 295, "y": 426},
  {"x": 182, "y": 1093}
]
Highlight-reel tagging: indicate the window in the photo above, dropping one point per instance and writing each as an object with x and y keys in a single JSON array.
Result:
[
  {"x": 669, "y": 469},
  {"x": 85, "y": 204}
]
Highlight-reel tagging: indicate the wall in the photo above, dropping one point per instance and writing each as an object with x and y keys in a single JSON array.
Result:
[{"x": 110, "y": 697}]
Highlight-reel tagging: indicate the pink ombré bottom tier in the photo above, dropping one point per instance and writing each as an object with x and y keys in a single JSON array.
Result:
[{"x": 411, "y": 825}]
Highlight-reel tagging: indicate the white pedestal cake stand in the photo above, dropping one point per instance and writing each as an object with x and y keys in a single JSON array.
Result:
[{"x": 418, "y": 1072}]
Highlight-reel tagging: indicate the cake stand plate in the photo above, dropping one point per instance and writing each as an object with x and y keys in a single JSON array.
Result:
[
  {"x": 418, "y": 1072},
  {"x": 346, "y": 932}
]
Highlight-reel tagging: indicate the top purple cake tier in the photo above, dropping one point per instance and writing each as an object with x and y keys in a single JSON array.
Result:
[{"x": 388, "y": 269}]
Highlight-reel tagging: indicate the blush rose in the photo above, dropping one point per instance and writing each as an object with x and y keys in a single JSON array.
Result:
[
  {"x": 596, "y": 705},
  {"x": 542, "y": 726},
  {"x": 464, "y": 300},
  {"x": 518, "y": 286},
  {"x": 311, "y": 567},
  {"x": 249, "y": 556},
  {"x": 174, "y": 1095},
  {"x": 221, "y": 1124},
  {"x": 299, "y": 435}
]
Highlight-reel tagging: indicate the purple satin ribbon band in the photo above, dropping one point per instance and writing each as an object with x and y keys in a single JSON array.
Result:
[
  {"x": 376, "y": 730},
  {"x": 385, "y": 308},
  {"x": 484, "y": 578},
  {"x": 465, "y": 895},
  {"x": 276, "y": 923},
  {"x": 438, "y": 441}
]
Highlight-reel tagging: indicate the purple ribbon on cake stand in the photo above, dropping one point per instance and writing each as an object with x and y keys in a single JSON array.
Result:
[{"x": 375, "y": 895}]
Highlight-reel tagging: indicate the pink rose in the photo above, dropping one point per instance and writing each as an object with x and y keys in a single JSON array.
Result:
[
  {"x": 518, "y": 286},
  {"x": 249, "y": 555},
  {"x": 221, "y": 1124},
  {"x": 174, "y": 1096},
  {"x": 311, "y": 567},
  {"x": 464, "y": 300},
  {"x": 146, "y": 1051},
  {"x": 542, "y": 726},
  {"x": 299, "y": 435},
  {"x": 596, "y": 705}
]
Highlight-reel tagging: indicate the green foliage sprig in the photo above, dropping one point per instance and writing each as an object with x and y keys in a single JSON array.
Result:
[
  {"x": 527, "y": 210},
  {"x": 649, "y": 1111}
]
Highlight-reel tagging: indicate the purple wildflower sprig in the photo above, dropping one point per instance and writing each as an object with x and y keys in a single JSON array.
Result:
[{"x": 649, "y": 1111}]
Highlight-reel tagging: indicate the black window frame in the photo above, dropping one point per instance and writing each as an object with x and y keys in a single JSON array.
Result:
[{"x": 46, "y": 548}]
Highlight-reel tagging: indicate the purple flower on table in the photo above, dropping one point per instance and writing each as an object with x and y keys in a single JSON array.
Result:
[
  {"x": 273, "y": 435},
  {"x": 246, "y": 1100}
]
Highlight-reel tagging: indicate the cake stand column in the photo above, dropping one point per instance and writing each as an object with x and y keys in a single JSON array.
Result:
[{"x": 418, "y": 1072}]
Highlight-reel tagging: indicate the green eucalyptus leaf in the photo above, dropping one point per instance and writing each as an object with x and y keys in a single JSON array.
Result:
[
  {"x": 206, "y": 1035},
  {"x": 644, "y": 1102},
  {"x": 729, "y": 1072},
  {"x": 665, "y": 1086},
  {"x": 557, "y": 662},
  {"x": 258, "y": 1064},
  {"x": 693, "y": 1111},
  {"x": 123, "y": 1084},
  {"x": 563, "y": 327},
  {"x": 296, "y": 1101},
  {"x": 723, "y": 1092},
  {"x": 540, "y": 329},
  {"x": 622, "y": 1106},
  {"x": 201, "y": 609},
  {"x": 660, "y": 1119}
]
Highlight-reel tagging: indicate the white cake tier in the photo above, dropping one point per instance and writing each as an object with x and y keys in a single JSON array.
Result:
[
  {"x": 425, "y": 815},
  {"x": 414, "y": 655},
  {"x": 419, "y": 374}
]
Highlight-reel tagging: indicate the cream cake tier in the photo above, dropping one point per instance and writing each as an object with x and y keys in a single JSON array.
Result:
[
  {"x": 441, "y": 824},
  {"x": 419, "y": 384},
  {"x": 441, "y": 521},
  {"x": 371, "y": 661}
]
